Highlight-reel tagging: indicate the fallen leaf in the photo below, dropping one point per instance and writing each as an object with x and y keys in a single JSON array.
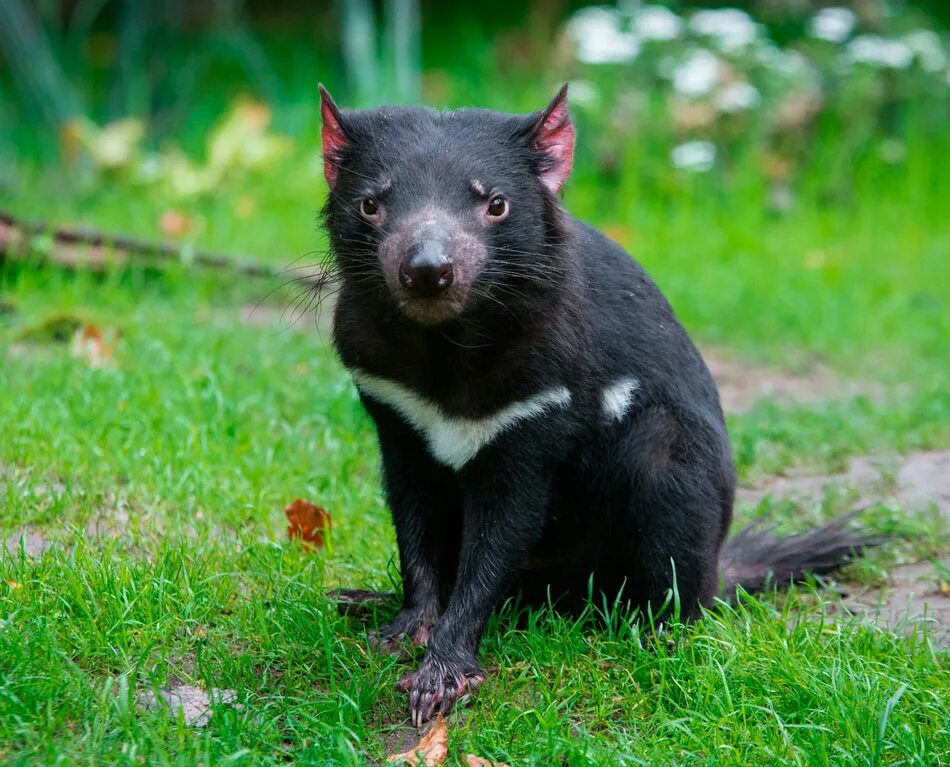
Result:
[
  {"x": 308, "y": 522},
  {"x": 241, "y": 139},
  {"x": 479, "y": 761},
  {"x": 174, "y": 223},
  {"x": 193, "y": 703},
  {"x": 432, "y": 750},
  {"x": 112, "y": 146},
  {"x": 94, "y": 345},
  {"x": 14, "y": 585}
]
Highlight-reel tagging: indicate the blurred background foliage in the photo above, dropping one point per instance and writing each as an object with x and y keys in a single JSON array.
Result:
[
  {"x": 768, "y": 101},
  {"x": 176, "y": 92}
]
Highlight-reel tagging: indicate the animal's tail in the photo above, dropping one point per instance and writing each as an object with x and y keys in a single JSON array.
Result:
[{"x": 755, "y": 559}]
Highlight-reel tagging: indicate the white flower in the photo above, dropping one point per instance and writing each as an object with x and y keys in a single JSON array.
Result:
[
  {"x": 737, "y": 97},
  {"x": 832, "y": 24},
  {"x": 733, "y": 29},
  {"x": 697, "y": 156},
  {"x": 880, "y": 52},
  {"x": 926, "y": 45},
  {"x": 655, "y": 22},
  {"x": 696, "y": 76},
  {"x": 600, "y": 40}
]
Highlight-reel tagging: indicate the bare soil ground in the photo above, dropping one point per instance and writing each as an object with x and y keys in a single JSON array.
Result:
[
  {"x": 918, "y": 483},
  {"x": 742, "y": 383}
]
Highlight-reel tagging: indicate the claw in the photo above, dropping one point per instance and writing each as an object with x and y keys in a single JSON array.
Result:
[
  {"x": 435, "y": 688},
  {"x": 384, "y": 645},
  {"x": 407, "y": 627}
]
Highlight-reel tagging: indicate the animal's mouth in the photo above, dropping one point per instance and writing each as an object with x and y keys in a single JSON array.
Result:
[{"x": 432, "y": 310}]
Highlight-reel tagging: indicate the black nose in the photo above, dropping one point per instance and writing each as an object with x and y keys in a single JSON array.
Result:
[{"x": 426, "y": 270}]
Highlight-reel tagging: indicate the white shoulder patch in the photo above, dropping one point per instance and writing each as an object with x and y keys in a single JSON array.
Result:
[
  {"x": 617, "y": 398},
  {"x": 454, "y": 441}
]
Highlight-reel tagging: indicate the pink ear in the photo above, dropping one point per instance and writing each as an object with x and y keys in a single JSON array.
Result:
[
  {"x": 333, "y": 135},
  {"x": 554, "y": 135}
]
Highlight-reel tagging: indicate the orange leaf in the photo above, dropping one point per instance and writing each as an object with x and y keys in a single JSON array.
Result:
[
  {"x": 93, "y": 345},
  {"x": 478, "y": 761},
  {"x": 308, "y": 522},
  {"x": 14, "y": 585},
  {"x": 431, "y": 751}
]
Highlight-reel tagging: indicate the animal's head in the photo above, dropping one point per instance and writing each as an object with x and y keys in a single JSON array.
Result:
[{"x": 452, "y": 211}]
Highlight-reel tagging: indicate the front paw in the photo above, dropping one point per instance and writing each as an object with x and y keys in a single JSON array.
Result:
[
  {"x": 438, "y": 683},
  {"x": 409, "y": 624}
]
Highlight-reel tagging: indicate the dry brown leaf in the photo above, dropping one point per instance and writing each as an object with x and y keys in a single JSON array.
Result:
[
  {"x": 479, "y": 761},
  {"x": 431, "y": 751},
  {"x": 94, "y": 345},
  {"x": 308, "y": 522}
]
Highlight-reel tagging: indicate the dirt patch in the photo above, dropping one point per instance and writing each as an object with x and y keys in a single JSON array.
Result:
[
  {"x": 742, "y": 383},
  {"x": 914, "y": 481},
  {"x": 32, "y": 542},
  {"x": 111, "y": 520},
  {"x": 925, "y": 478},
  {"x": 915, "y": 596},
  {"x": 915, "y": 593},
  {"x": 401, "y": 738},
  {"x": 35, "y": 542}
]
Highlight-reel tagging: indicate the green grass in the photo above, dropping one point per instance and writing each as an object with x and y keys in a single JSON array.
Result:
[
  {"x": 162, "y": 480},
  {"x": 205, "y": 427}
]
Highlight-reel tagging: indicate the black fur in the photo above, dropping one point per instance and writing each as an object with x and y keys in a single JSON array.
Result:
[{"x": 563, "y": 496}]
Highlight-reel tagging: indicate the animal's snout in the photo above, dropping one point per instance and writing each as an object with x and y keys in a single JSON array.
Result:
[{"x": 426, "y": 270}]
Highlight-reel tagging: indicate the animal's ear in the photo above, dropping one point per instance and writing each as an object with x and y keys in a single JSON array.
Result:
[
  {"x": 333, "y": 134},
  {"x": 553, "y": 134}
]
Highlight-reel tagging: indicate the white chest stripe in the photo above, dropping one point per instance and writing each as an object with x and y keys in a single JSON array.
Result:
[
  {"x": 454, "y": 441},
  {"x": 617, "y": 398}
]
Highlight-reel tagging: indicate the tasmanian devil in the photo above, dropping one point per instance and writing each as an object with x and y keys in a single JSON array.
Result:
[{"x": 546, "y": 425}]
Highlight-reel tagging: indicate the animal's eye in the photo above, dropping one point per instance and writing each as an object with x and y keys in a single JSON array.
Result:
[
  {"x": 369, "y": 206},
  {"x": 497, "y": 206}
]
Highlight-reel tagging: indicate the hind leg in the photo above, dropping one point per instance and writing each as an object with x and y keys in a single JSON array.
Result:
[{"x": 675, "y": 513}]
